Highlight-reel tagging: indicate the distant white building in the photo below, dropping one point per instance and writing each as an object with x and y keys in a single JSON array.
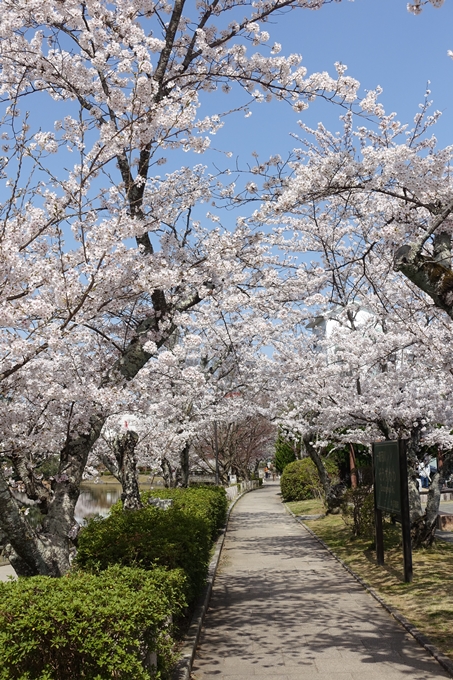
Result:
[
  {"x": 327, "y": 325},
  {"x": 355, "y": 319}
]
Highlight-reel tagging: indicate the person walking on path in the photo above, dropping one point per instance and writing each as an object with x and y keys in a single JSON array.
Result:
[{"x": 283, "y": 608}]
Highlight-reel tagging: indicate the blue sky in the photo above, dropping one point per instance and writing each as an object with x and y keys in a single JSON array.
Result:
[{"x": 381, "y": 43}]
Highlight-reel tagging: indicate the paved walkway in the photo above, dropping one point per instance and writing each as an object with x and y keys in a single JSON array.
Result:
[
  {"x": 283, "y": 608},
  {"x": 7, "y": 572}
]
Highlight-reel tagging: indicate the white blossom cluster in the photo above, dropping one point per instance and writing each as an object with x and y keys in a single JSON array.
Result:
[{"x": 127, "y": 293}]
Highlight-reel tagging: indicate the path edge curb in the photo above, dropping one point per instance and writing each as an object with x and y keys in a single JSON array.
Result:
[
  {"x": 183, "y": 667},
  {"x": 422, "y": 640}
]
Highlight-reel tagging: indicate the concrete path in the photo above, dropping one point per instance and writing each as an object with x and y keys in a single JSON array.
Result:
[
  {"x": 7, "y": 572},
  {"x": 283, "y": 608}
]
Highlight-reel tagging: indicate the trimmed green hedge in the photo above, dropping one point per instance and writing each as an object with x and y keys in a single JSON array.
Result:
[
  {"x": 147, "y": 538},
  {"x": 111, "y": 617},
  {"x": 207, "y": 502},
  {"x": 180, "y": 537},
  {"x": 300, "y": 480},
  {"x": 177, "y": 538},
  {"x": 90, "y": 626}
]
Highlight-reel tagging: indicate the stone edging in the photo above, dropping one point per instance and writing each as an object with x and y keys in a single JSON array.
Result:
[
  {"x": 183, "y": 667},
  {"x": 444, "y": 661}
]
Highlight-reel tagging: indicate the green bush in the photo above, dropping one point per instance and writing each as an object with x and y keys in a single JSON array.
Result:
[
  {"x": 147, "y": 537},
  {"x": 49, "y": 467},
  {"x": 357, "y": 510},
  {"x": 207, "y": 502},
  {"x": 89, "y": 626},
  {"x": 300, "y": 480}
]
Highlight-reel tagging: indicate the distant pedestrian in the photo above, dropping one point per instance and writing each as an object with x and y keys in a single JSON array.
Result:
[{"x": 424, "y": 473}]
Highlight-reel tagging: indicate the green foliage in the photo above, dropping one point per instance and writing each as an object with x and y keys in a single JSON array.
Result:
[
  {"x": 357, "y": 510},
  {"x": 207, "y": 502},
  {"x": 140, "y": 567},
  {"x": 173, "y": 538},
  {"x": 89, "y": 626},
  {"x": 285, "y": 453},
  {"x": 340, "y": 453},
  {"x": 49, "y": 467},
  {"x": 300, "y": 481}
]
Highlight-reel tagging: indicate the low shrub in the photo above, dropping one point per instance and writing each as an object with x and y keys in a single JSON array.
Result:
[
  {"x": 357, "y": 510},
  {"x": 300, "y": 480},
  {"x": 207, "y": 502},
  {"x": 148, "y": 537},
  {"x": 116, "y": 624}
]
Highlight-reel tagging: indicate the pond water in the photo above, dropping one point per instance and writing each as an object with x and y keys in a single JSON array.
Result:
[{"x": 97, "y": 499}]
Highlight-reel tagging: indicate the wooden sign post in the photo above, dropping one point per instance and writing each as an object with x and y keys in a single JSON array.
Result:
[{"x": 391, "y": 495}]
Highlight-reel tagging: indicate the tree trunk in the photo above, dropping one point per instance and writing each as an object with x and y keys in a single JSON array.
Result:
[
  {"x": 352, "y": 467},
  {"x": 48, "y": 551},
  {"x": 185, "y": 466},
  {"x": 332, "y": 498},
  {"x": 177, "y": 476},
  {"x": 432, "y": 275},
  {"x": 166, "y": 473},
  {"x": 124, "y": 448},
  {"x": 171, "y": 476},
  {"x": 256, "y": 469},
  {"x": 415, "y": 506},
  {"x": 423, "y": 528},
  {"x": 24, "y": 548},
  {"x": 423, "y": 523}
]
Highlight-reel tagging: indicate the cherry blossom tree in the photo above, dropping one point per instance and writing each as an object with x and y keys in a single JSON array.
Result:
[
  {"x": 235, "y": 447},
  {"x": 181, "y": 391},
  {"x": 83, "y": 310},
  {"x": 105, "y": 260},
  {"x": 345, "y": 207},
  {"x": 417, "y": 6}
]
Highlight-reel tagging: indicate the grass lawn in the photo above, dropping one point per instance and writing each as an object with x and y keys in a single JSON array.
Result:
[{"x": 427, "y": 602}]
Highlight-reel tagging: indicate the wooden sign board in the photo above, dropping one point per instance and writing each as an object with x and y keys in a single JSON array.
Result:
[
  {"x": 387, "y": 477},
  {"x": 391, "y": 495}
]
